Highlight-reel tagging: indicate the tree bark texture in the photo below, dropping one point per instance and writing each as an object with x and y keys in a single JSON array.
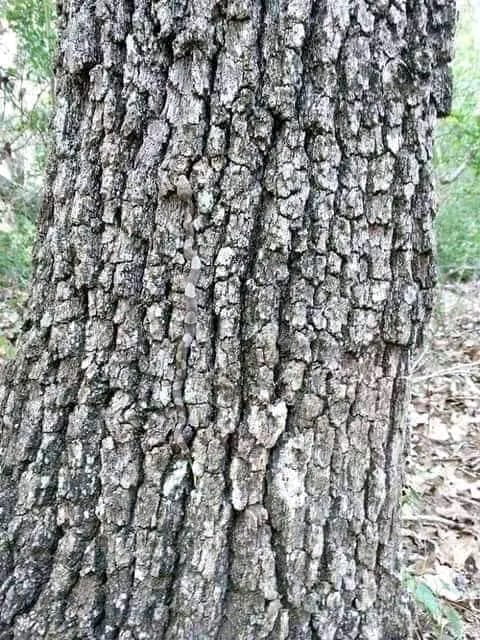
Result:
[{"x": 247, "y": 484}]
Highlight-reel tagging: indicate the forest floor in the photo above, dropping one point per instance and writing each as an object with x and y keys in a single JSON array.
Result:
[
  {"x": 441, "y": 507},
  {"x": 441, "y": 510}
]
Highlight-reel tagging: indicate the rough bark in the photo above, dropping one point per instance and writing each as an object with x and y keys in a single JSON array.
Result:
[{"x": 245, "y": 486}]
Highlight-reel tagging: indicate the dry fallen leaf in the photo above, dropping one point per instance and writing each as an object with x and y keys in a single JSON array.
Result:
[{"x": 442, "y": 505}]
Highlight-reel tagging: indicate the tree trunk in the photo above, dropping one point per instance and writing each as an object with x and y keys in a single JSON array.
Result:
[{"x": 202, "y": 431}]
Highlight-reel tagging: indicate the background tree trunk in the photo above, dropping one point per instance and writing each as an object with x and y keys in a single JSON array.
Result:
[{"x": 260, "y": 499}]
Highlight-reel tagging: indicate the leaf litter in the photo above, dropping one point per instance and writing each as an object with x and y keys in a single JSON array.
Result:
[{"x": 441, "y": 507}]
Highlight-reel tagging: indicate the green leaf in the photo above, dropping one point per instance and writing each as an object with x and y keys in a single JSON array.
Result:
[
  {"x": 34, "y": 24},
  {"x": 455, "y": 622},
  {"x": 429, "y": 600}
]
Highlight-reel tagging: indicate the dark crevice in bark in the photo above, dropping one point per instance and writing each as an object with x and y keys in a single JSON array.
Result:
[
  {"x": 254, "y": 240},
  {"x": 229, "y": 547},
  {"x": 231, "y": 441},
  {"x": 210, "y": 94},
  {"x": 262, "y": 13},
  {"x": 176, "y": 568},
  {"x": 215, "y": 343},
  {"x": 98, "y": 621}
]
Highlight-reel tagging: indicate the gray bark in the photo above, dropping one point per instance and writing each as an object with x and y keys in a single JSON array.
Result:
[{"x": 247, "y": 484}]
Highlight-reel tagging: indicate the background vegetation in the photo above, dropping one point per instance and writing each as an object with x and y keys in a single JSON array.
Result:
[
  {"x": 457, "y": 157},
  {"x": 27, "y": 37}
]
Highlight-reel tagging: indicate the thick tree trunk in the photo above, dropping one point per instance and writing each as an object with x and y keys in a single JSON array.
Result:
[{"x": 245, "y": 485}]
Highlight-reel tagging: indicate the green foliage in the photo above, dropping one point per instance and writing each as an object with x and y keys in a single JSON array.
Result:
[
  {"x": 458, "y": 229},
  {"x": 411, "y": 497},
  {"x": 15, "y": 253},
  {"x": 34, "y": 24},
  {"x": 425, "y": 597},
  {"x": 25, "y": 107},
  {"x": 457, "y": 159},
  {"x": 455, "y": 622},
  {"x": 27, "y": 86},
  {"x": 7, "y": 352},
  {"x": 446, "y": 620}
]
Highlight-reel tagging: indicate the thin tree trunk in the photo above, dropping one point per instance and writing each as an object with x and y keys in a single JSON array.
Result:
[{"x": 202, "y": 433}]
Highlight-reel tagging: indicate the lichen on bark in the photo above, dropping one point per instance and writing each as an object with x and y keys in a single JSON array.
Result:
[{"x": 305, "y": 131}]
